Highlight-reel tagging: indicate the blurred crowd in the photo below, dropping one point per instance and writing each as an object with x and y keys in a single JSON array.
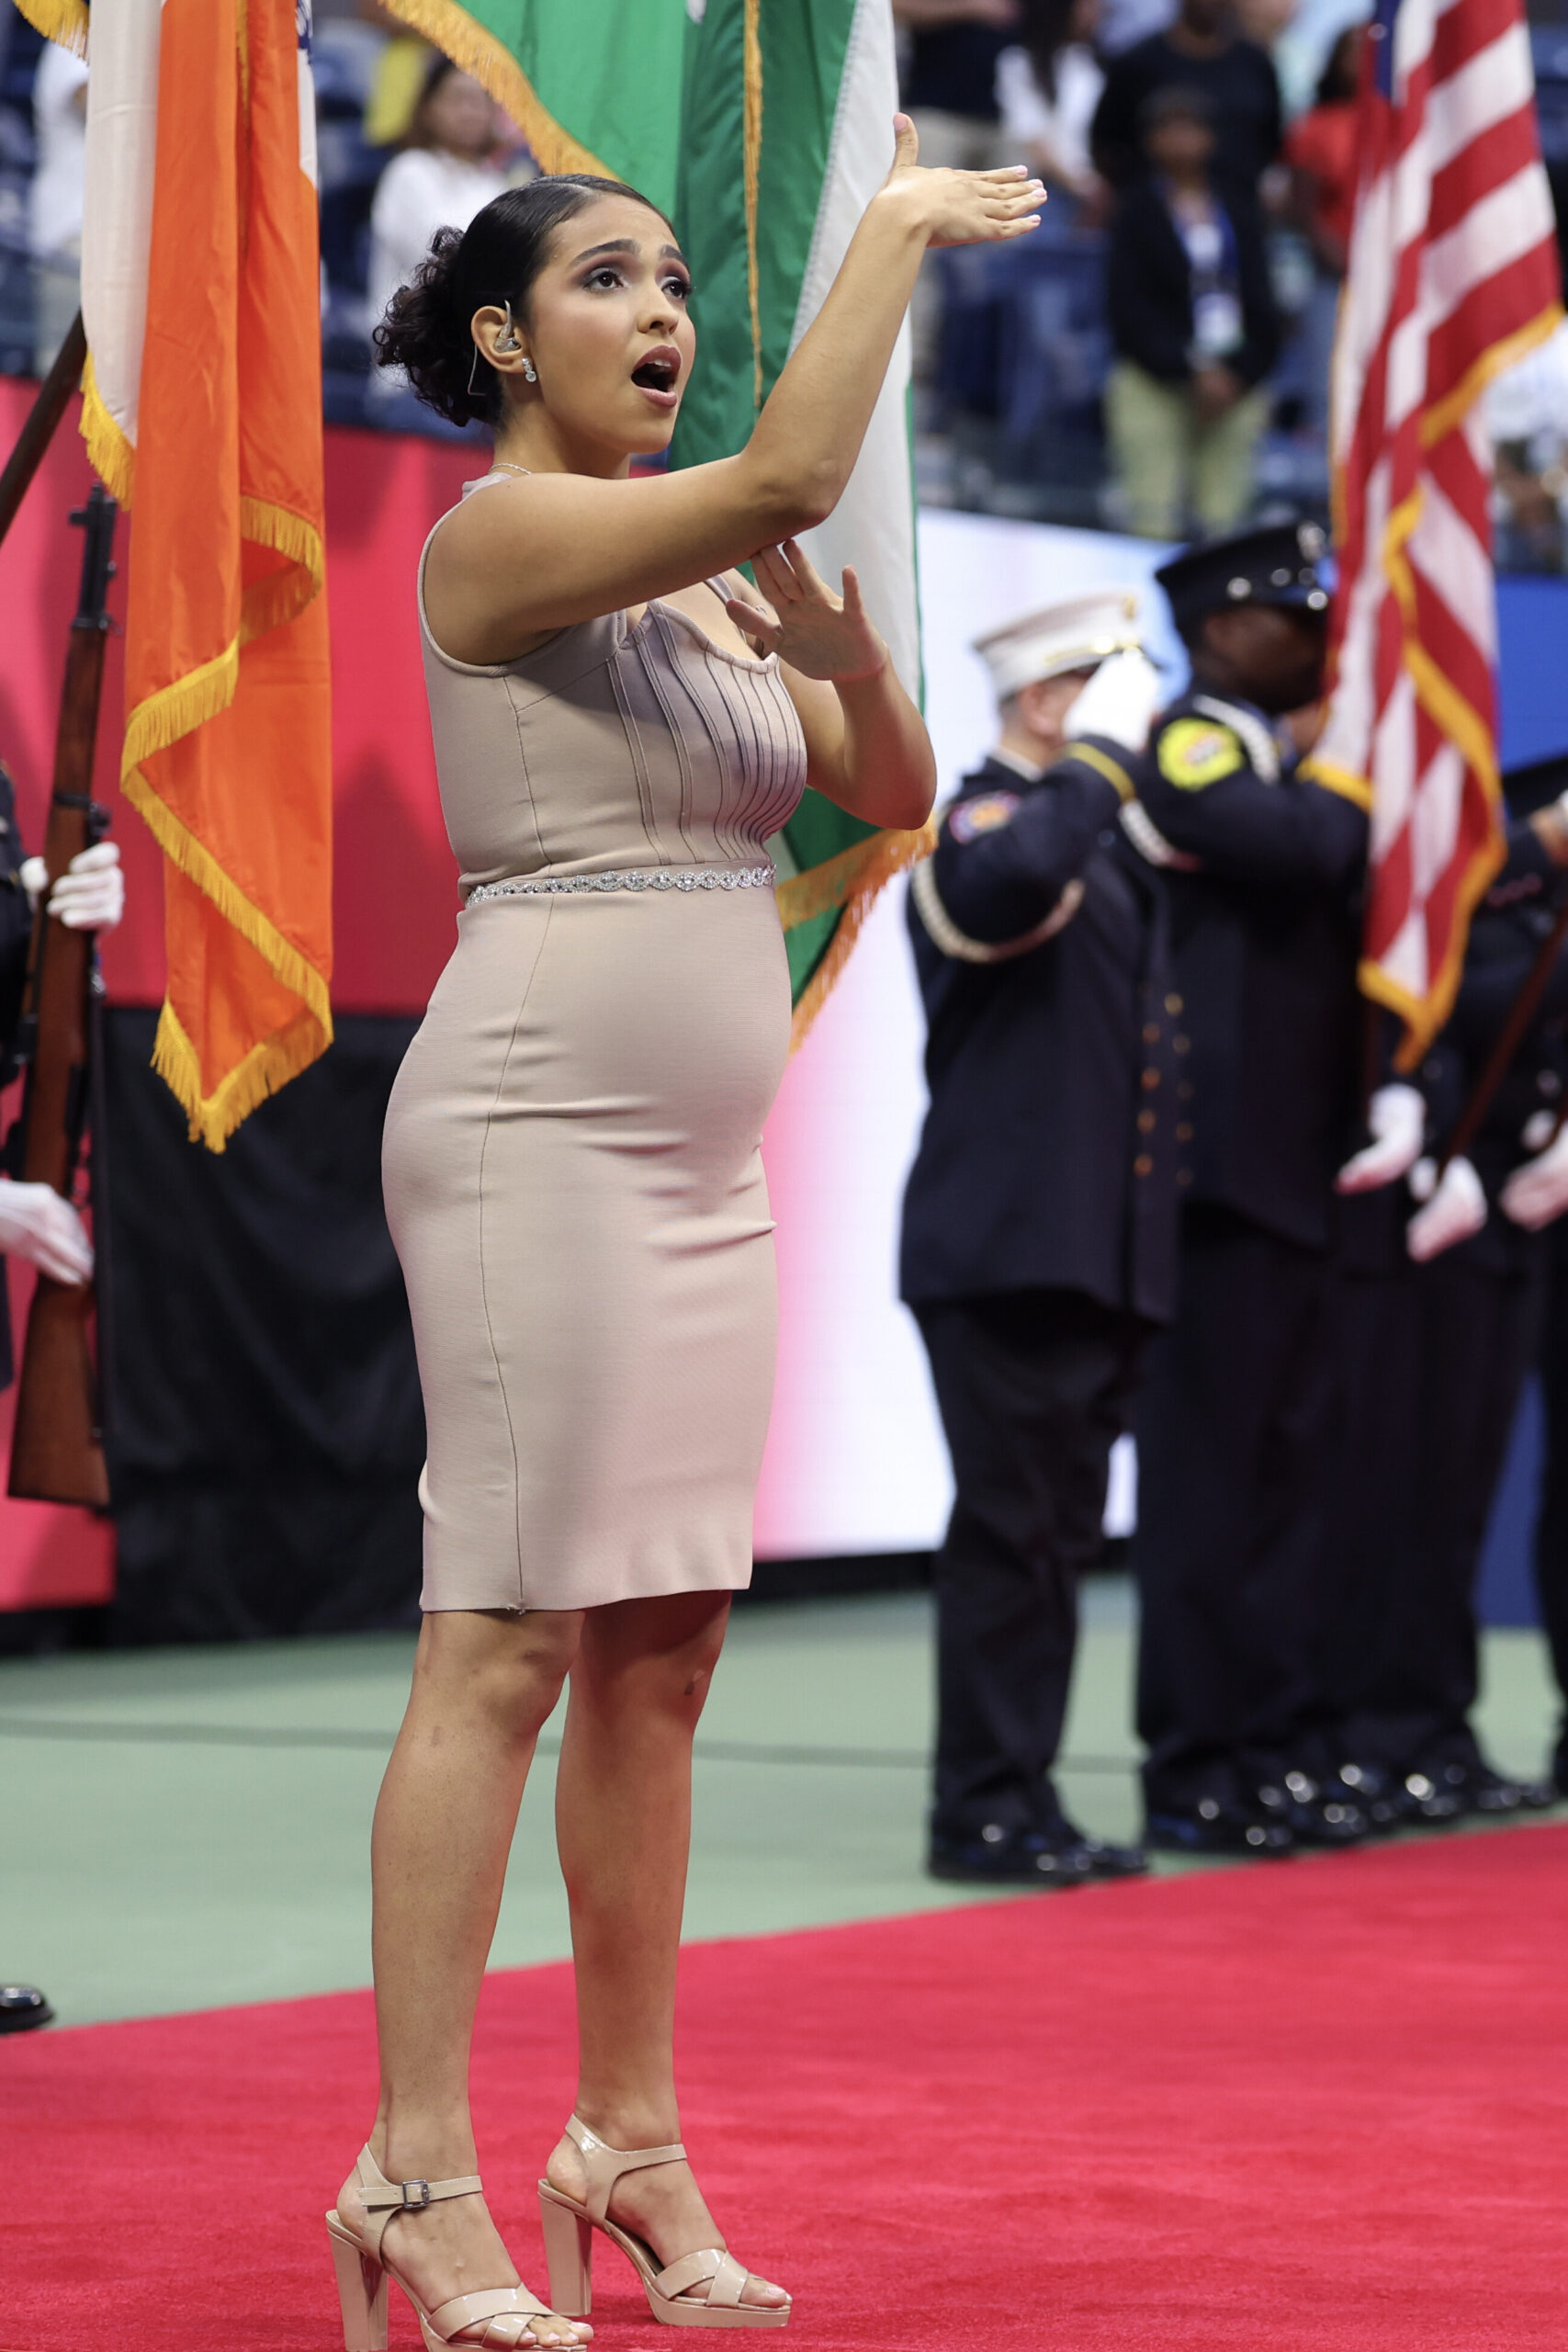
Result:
[
  {"x": 1153, "y": 359},
  {"x": 406, "y": 144},
  {"x": 1156, "y": 357}
]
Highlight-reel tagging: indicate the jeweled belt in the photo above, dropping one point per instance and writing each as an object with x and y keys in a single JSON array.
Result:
[{"x": 633, "y": 877}]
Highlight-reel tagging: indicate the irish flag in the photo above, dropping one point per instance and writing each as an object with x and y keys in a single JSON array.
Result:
[
  {"x": 203, "y": 414},
  {"x": 763, "y": 126}
]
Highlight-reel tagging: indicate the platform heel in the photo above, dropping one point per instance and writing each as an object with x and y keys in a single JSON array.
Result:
[
  {"x": 568, "y": 2233},
  {"x": 361, "y": 2290},
  {"x": 569, "y": 2251},
  {"x": 499, "y": 2319}
]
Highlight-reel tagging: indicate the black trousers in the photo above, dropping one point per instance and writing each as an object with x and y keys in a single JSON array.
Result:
[
  {"x": 1551, "y": 1532},
  {"x": 1434, "y": 1357},
  {"x": 1234, "y": 1427},
  {"x": 1033, "y": 1388}
]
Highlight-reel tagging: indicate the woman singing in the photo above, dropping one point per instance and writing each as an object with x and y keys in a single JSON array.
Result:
[{"x": 572, "y": 1172}]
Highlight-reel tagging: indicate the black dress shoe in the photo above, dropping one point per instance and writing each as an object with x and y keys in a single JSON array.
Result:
[
  {"x": 22, "y": 2007},
  {"x": 1317, "y": 1813},
  {"x": 1376, "y": 1792},
  {"x": 1441, "y": 1790},
  {"x": 1485, "y": 1790},
  {"x": 1211, "y": 1828},
  {"x": 1431, "y": 1797},
  {"x": 1113, "y": 1861},
  {"x": 995, "y": 1856}
]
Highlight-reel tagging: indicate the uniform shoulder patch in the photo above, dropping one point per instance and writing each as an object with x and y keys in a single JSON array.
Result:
[
  {"x": 985, "y": 814},
  {"x": 1197, "y": 751}
]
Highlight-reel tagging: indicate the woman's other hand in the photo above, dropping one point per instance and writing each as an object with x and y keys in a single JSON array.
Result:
[
  {"x": 960, "y": 207},
  {"x": 821, "y": 634}
]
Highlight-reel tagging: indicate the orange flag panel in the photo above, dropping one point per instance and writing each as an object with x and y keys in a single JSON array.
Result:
[{"x": 227, "y": 749}]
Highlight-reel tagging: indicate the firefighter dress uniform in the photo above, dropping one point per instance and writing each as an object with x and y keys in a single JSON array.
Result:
[
  {"x": 1263, "y": 867},
  {"x": 1038, "y": 1234}
]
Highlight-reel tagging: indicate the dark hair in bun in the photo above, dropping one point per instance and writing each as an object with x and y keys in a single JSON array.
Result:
[{"x": 494, "y": 260}]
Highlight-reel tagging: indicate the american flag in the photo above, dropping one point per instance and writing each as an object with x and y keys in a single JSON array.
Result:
[{"x": 1453, "y": 273}]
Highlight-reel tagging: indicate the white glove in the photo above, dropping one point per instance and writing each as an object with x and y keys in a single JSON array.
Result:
[
  {"x": 1538, "y": 1190},
  {"x": 1119, "y": 702},
  {"x": 1456, "y": 1208},
  {"x": 1396, "y": 1116},
  {"x": 90, "y": 894},
  {"x": 36, "y": 1224}
]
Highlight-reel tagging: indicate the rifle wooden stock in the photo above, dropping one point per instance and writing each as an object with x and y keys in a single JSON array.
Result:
[{"x": 57, "y": 1452}]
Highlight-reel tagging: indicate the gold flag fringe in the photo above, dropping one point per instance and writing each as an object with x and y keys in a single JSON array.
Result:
[
  {"x": 282, "y": 595},
  {"x": 194, "y": 858},
  {"x": 213, "y": 1118},
  {"x": 1422, "y": 1017},
  {"x": 853, "y": 881},
  {"x": 479, "y": 52},
  {"x": 111, "y": 453},
  {"x": 162, "y": 721},
  {"x": 62, "y": 20}
]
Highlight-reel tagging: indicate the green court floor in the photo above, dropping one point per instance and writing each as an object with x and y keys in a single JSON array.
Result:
[{"x": 184, "y": 1828}]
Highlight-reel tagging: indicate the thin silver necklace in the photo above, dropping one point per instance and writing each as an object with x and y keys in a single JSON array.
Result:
[{"x": 505, "y": 465}]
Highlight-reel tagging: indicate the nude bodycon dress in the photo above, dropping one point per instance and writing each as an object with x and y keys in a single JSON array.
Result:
[{"x": 571, "y": 1165}]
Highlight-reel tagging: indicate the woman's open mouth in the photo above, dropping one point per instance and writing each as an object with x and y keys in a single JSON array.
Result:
[{"x": 657, "y": 377}]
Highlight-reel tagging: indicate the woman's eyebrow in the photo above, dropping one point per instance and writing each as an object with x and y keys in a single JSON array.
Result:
[{"x": 628, "y": 245}]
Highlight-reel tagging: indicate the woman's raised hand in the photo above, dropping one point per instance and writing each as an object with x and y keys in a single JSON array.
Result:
[
  {"x": 821, "y": 634},
  {"x": 960, "y": 207}
]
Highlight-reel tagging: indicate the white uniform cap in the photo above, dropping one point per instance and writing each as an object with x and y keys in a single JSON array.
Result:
[{"x": 1077, "y": 634}]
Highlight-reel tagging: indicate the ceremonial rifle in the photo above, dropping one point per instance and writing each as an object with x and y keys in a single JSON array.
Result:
[
  {"x": 1510, "y": 1037},
  {"x": 53, "y": 398},
  {"x": 57, "y": 1452}
]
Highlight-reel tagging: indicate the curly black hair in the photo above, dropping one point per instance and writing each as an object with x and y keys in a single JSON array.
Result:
[{"x": 494, "y": 260}]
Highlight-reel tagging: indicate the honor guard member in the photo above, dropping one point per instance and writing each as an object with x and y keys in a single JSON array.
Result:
[
  {"x": 1264, "y": 866},
  {"x": 35, "y": 1223},
  {"x": 1040, "y": 1220},
  {"x": 1441, "y": 1320}
]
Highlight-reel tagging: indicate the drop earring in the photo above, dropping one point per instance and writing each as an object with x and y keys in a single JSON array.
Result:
[{"x": 530, "y": 373}]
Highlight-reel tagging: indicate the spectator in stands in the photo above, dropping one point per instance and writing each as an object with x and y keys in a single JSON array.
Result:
[
  {"x": 1195, "y": 330},
  {"x": 60, "y": 131},
  {"x": 1526, "y": 414},
  {"x": 450, "y": 170},
  {"x": 1048, "y": 86},
  {"x": 1320, "y": 148},
  {"x": 949, "y": 92},
  {"x": 1200, "y": 52}
]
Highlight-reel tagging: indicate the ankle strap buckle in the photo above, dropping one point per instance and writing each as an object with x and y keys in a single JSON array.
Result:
[{"x": 413, "y": 2204}]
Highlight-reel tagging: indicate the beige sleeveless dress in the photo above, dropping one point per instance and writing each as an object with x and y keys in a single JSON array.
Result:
[{"x": 572, "y": 1167}]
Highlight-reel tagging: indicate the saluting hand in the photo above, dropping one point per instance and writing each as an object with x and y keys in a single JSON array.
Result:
[{"x": 821, "y": 634}]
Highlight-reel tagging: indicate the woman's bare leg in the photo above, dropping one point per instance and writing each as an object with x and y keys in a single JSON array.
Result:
[
  {"x": 483, "y": 1684},
  {"x": 622, "y": 1825}
]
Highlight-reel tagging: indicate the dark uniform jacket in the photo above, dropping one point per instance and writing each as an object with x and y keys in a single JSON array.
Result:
[
  {"x": 1047, "y": 1158},
  {"x": 1507, "y": 932},
  {"x": 15, "y": 929},
  {"x": 1264, "y": 869}
]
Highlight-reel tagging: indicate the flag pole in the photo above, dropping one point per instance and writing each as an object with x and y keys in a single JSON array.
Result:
[{"x": 54, "y": 397}]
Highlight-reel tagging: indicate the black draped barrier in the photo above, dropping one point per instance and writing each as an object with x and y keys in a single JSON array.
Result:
[{"x": 266, "y": 1433}]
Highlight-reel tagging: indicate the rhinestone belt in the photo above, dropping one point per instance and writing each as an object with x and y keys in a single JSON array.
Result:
[{"x": 634, "y": 877}]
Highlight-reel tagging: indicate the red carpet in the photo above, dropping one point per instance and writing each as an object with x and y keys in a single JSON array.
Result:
[{"x": 1323, "y": 2103}]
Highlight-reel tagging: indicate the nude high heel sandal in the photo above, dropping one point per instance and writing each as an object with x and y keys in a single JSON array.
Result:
[
  {"x": 569, "y": 2247},
  {"x": 499, "y": 2318}
]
